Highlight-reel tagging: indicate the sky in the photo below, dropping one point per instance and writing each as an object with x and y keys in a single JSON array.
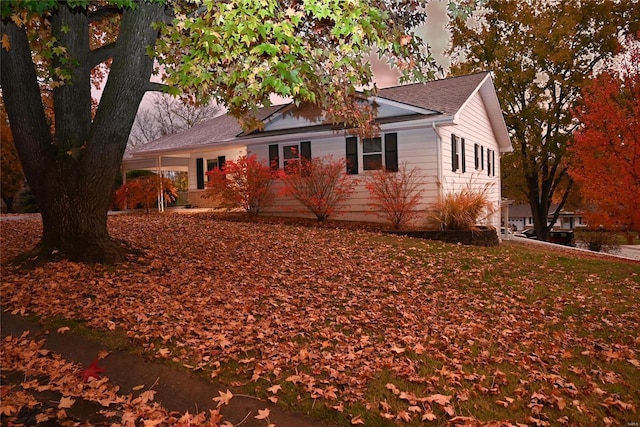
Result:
[{"x": 433, "y": 32}]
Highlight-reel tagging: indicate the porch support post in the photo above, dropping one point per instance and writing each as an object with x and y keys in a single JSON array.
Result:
[{"x": 160, "y": 185}]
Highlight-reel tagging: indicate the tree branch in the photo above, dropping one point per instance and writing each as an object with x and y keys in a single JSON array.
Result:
[
  {"x": 156, "y": 87},
  {"x": 103, "y": 12},
  {"x": 101, "y": 54}
]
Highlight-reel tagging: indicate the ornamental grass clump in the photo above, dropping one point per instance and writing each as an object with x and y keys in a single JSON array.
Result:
[{"x": 462, "y": 210}]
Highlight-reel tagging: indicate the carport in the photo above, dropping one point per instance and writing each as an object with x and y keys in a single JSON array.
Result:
[{"x": 158, "y": 164}]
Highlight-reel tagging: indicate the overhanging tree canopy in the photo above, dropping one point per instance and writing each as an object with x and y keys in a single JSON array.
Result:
[{"x": 238, "y": 52}]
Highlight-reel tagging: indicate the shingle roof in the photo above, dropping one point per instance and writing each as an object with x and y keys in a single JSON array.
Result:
[
  {"x": 218, "y": 129},
  {"x": 445, "y": 96}
]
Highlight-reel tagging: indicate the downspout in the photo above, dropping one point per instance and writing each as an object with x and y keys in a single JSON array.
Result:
[{"x": 439, "y": 155}]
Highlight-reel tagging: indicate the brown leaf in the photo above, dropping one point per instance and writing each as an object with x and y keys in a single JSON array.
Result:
[
  {"x": 357, "y": 420},
  {"x": 66, "y": 403},
  {"x": 224, "y": 398},
  {"x": 263, "y": 414}
]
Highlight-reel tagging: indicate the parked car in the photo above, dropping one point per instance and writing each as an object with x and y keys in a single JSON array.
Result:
[
  {"x": 559, "y": 237},
  {"x": 562, "y": 237}
]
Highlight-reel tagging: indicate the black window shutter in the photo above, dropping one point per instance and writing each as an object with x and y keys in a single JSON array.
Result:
[
  {"x": 488, "y": 162},
  {"x": 352, "y": 155},
  {"x": 493, "y": 163},
  {"x": 476, "y": 155},
  {"x": 454, "y": 153},
  {"x": 200, "y": 173},
  {"x": 273, "y": 156},
  {"x": 221, "y": 162},
  {"x": 391, "y": 152},
  {"x": 464, "y": 161},
  {"x": 305, "y": 150}
]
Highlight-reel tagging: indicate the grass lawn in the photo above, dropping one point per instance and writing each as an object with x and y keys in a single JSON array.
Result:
[{"x": 357, "y": 326}]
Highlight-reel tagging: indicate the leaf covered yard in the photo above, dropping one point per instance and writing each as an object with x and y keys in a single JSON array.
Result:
[{"x": 358, "y": 327}]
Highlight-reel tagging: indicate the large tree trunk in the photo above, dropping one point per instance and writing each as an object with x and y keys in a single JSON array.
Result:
[{"x": 72, "y": 172}]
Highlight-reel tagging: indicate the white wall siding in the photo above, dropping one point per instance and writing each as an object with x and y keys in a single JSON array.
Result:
[
  {"x": 416, "y": 148},
  {"x": 473, "y": 125}
]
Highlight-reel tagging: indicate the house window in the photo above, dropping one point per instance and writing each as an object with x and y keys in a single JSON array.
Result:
[
  {"x": 290, "y": 153},
  {"x": 215, "y": 163},
  {"x": 458, "y": 161},
  {"x": 478, "y": 151},
  {"x": 374, "y": 154}
]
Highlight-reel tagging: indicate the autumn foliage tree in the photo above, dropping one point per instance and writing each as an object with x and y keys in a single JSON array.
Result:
[
  {"x": 395, "y": 195},
  {"x": 245, "y": 183},
  {"x": 145, "y": 191},
  {"x": 605, "y": 150},
  {"x": 320, "y": 184}
]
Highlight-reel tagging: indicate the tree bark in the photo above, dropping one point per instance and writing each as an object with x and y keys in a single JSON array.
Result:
[{"x": 72, "y": 171}]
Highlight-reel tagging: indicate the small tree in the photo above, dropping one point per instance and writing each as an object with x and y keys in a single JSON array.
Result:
[
  {"x": 245, "y": 183},
  {"x": 144, "y": 191},
  {"x": 461, "y": 210},
  {"x": 395, "y": 195},
  {"x": 320, "y": 184}
]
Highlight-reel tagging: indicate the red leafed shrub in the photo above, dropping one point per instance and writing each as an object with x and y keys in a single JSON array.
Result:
[
  {"x": 244, "y": 183},
  {"x": 395, "y": 196},
  {"x": 144, "y": 192},
  {"x": 320, "y": 184}
]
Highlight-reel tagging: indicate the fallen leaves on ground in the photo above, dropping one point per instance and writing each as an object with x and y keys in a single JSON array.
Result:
[
  {"x": 46, "y": 371},
  {"x": 410, "y": 330}
]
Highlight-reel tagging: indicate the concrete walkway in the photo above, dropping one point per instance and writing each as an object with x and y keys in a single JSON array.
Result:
[{"x": 176, "y": 390}]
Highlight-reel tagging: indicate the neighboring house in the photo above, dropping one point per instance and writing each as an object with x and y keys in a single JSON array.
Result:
[
  {"x": 520, "y": 216},
  {"x": 452, "y": 129}
]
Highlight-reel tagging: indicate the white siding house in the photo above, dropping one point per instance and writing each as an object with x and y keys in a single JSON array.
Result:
[{"x": 452, "y": 130}]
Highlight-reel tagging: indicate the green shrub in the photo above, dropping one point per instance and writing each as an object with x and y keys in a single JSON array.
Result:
[{"x": 599, "y": 240}]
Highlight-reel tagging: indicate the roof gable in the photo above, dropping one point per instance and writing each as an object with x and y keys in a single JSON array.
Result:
[{"x": 446, "y": 96}]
